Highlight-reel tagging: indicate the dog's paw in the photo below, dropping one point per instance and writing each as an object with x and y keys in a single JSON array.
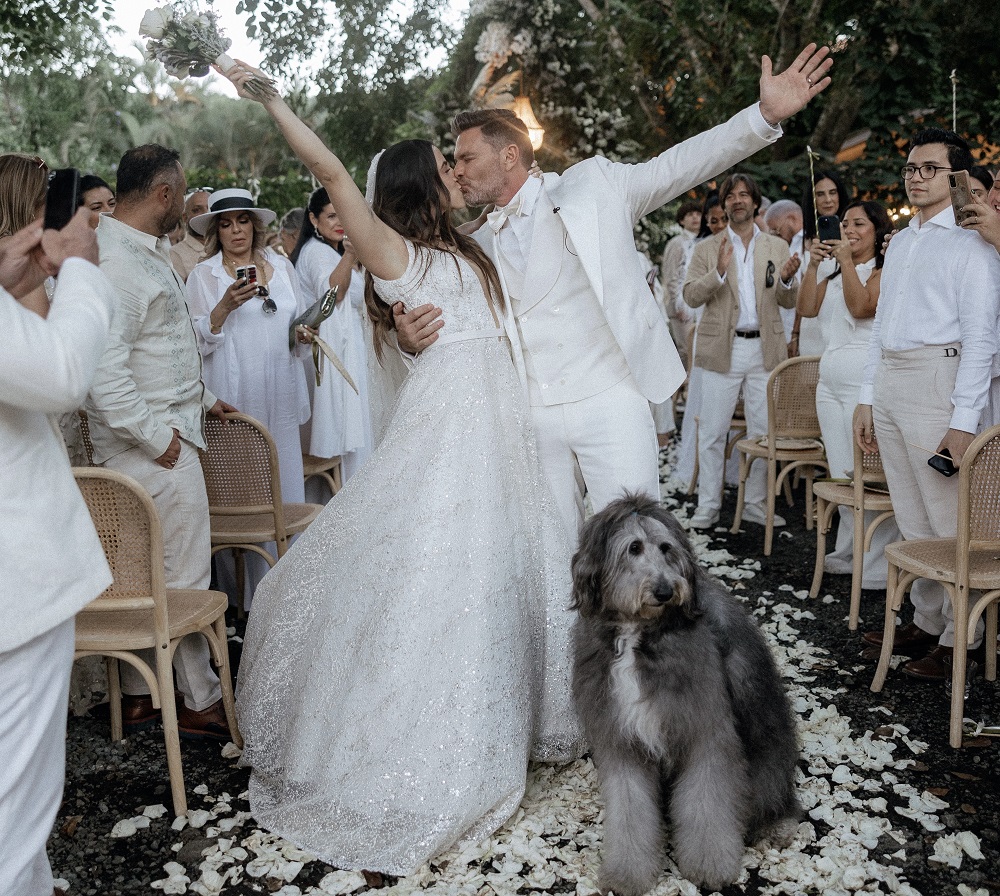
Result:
[
  {"x": 625, "y": 882},
  {"x": 713, "y": 872},
  {"x": 780, "y": 834}
]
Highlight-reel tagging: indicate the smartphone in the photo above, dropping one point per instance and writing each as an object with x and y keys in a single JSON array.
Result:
[
  {"x": 248, "y": 273},
  {"x": 62, "y": 197},
  {"x": 961, "y": 195},
  {"x": 828, "y": 228},
  {"x": 943, "y": 464}
]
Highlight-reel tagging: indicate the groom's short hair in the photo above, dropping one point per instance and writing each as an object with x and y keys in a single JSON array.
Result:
[{"x": 500, "y": 128}]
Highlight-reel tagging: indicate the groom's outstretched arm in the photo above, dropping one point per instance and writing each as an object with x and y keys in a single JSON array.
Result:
[{"x": 647, "y": 186}]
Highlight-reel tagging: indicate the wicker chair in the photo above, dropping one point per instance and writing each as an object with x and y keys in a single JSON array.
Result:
[
  {"x": 240, "y": 464},
  {"x": 327, "y": 468},
  {"x": 968, "y": 562},
  {"x": 792, "y": 438},
  {"x": 866, "y": 491},
  {"x": 138, "y": 612}
]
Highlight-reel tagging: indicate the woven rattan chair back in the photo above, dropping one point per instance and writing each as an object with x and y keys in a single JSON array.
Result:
[
  {"x": 791, "y": 399},
  {"x": 88, "y": 444},
  {"x": 129, "y": 529},
  {"x": 871, "y": 465},
  {"x": 240, "y": 464},
  {"x": 980, "y": 490}
]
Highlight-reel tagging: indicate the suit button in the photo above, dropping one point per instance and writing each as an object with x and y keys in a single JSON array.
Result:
[
  {"x": 545, "y": 385},
  {"x": 555, "y": 310},
  {"x": 560, "y": 345},
  {"x": 562, "y": 382}
]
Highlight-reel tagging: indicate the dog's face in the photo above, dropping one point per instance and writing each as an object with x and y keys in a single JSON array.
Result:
[{"x": 634, "y": 563}]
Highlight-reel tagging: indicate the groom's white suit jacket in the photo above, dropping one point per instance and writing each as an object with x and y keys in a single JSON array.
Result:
[{"x": 583, "y": 253}]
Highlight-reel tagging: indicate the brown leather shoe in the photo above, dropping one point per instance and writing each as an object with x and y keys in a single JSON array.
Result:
[
  {"x": 936, "y": 666},
  {"x": 209, "y": 723},
  {"x": 909, "y": 640},
  {"x": 138, "y": 712}
]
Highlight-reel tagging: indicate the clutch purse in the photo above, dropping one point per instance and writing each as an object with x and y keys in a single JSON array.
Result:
[{"x": 314, "y": 315}]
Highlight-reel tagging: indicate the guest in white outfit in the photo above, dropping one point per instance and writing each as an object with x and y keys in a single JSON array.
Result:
[
  {"x": 53, "y": 562},
  {"x": 784, "y": 218},
  {"x": 341, "y": 424},
  {"x": 242, "y": 337},
  {"x": 824, "y": 195},
  {"x": 147, "y": 408},
  {"x": 930, "y": 362},
  {"x": 713, "y": 220},
  {"x": 242, "y": 331},
  {"x": 592, "y": 347},
  {"x": 850, "y": 295},
  {"x": 741, "y": 277}
]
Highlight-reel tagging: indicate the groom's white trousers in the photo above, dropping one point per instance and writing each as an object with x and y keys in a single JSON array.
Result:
[{"x": 603, "y": 445}]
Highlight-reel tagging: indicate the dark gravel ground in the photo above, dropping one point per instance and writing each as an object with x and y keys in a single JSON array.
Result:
[{"x": 107, "y": 782}]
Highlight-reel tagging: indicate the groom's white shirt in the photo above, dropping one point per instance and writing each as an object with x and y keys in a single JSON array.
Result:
[{"x": 596, "y": 204}]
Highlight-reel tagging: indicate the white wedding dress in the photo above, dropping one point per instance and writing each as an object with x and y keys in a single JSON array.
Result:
[{"x": 410, "y": 652}]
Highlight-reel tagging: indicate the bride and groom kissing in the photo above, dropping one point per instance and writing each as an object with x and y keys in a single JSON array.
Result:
[{"x": 410, "y": 654}]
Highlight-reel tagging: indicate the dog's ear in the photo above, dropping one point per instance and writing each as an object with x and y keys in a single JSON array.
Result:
[{"x": 588, "y": 566}]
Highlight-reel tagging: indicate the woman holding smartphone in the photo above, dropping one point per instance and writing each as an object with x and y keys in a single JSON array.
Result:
[{"x": 850, "y": 295}]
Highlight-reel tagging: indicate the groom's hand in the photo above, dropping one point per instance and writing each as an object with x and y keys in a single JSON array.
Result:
[
  {"x": 783, "y": 95},
  {"x": 416, "y": 329}
]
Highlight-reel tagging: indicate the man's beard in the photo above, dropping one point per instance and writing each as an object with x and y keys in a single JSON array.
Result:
[{"x": 484, "y": 191}]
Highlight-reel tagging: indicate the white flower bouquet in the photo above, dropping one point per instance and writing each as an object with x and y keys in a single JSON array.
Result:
[{"x": 187, "y": 43}]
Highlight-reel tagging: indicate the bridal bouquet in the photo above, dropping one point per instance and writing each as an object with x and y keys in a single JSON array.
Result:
[{"x": 187, "y": 43}]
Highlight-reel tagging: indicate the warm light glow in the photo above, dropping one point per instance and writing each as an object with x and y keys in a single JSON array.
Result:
[{"x": 523, "y": 110}]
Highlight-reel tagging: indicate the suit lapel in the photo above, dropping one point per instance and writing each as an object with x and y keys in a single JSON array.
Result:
[{"x": 545, "y": 254}]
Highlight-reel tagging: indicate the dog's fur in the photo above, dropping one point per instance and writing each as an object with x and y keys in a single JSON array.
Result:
[{"x": 682, "y": 704}]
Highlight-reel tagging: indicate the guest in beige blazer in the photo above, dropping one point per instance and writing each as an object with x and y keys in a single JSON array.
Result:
[{"x": 740, "y": 276}]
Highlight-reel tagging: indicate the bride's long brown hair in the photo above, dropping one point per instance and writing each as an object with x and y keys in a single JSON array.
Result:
[{"x": 412, "y": 199}]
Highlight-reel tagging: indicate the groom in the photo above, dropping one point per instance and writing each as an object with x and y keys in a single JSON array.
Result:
[{"x": 588, "y": 338}]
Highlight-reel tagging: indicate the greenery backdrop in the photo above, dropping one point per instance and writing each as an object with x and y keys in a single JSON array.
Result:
[{"x": 625, "y": 78}]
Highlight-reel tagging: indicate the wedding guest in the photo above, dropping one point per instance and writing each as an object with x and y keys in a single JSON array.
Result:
[
  {"x": 850, "y": 295},
  {"x": 673, "y": 269},
  {"x": 96, "y": 195},
  {"x": 53, "y": 562},
  {"x": 341, "y": 424},
  {"x": 980, "y": 181},
  {"x": 185, "y": 254},
  {"x": 784, "y": 219},
  {"x": 831, "y": 198},
  {"x": 147, "y": 407},
  {"x": 289, "y": 230},
  {"x": 242, "y": 327},
  {"x": 741, "y": 277},
  {"x": 927, "y": 378},
  {"x": 23, "y": 186},
  {"x": 713, "y": 217}
]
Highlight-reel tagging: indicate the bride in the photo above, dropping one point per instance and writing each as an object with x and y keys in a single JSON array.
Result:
[{"x": 409, "y": 654}]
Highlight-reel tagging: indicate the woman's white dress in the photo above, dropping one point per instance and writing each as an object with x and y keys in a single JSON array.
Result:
[
  {"x": 249, "y": 364},
  {"x": 841, "y": 371},
  {"x": 341, "y": 425},
  {"x": 410, "y": 652}
]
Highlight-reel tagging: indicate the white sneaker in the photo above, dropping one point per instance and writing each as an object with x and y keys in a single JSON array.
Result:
[
  {"x": 703, "y": 518},
  {"x": 755, "y": 513}
]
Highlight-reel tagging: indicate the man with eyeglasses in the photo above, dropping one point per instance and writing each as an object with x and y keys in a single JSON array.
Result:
[
  {"x": 742, "y": 276},
  {"x": 189, "y": 251},
  {"x": 147, "y": 409},
  {"x": 927, "y": 377}
]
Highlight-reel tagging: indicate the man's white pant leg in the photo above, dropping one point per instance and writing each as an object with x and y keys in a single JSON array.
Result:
[
  {"x": 755, "y": 379},
  {"x": 182, "y": 506},
  {"x": 613, "y": 437},
  {"x": 33, "y": 705},
  {"x": 559, "y": 465},
  {"x": 719, "y": 394}
]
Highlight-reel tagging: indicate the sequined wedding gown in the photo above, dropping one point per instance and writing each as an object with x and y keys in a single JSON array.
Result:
[{"x": 410, "y": 652}]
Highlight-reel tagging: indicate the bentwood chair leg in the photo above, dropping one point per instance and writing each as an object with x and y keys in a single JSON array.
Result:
[
  {"x": 226, "y": 681},
  {"x": 893, "y": 600},
  {"x": 114, "y": 697},
  {"x": 857, "y": 566},
  {"x": 772, "y": 473},
  {"x": 697, "y": 466},
  {"x": 959, "y": 663},
  {"x": 171, "y": 735},
  {"x": 822, "y": 524},
  {"x": 745, "y": 461}
]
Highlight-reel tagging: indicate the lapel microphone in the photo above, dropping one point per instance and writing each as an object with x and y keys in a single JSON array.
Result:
[{"x": 556, "y": 209}]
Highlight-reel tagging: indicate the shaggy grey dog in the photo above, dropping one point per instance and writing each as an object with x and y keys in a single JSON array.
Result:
[{"x": 681, "y": 702}]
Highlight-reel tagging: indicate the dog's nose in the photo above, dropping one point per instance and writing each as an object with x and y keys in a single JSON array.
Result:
[{"x": 663, "y": 591}]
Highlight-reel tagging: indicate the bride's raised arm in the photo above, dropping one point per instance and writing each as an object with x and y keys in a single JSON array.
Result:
[{"x": 379, "y": 248}]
